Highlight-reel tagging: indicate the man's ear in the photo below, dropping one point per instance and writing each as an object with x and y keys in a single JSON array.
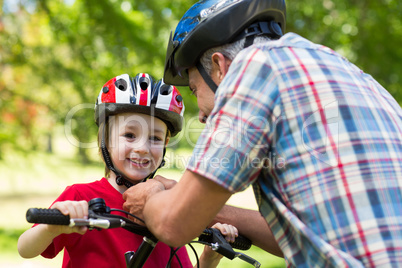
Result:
[{"x": 220, "y": 66}]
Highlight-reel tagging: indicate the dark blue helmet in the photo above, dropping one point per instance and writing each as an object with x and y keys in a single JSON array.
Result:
[{"x": 211, "y": 23}]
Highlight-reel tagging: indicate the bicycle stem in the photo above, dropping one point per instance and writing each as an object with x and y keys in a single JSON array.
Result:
[{"x": 137, "y": 259}]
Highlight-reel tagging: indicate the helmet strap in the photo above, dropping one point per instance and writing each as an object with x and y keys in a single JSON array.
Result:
[
  {"x": 267, "y": 28},
  {"x": 120, "y": 180},
  {"x": 249, "y": 41},
  {"x": 150, "y": 176},
  {"x": 206, "y": 76}
]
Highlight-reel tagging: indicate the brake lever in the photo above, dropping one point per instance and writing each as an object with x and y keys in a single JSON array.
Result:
[
  {"x": 248, "y": 259},
  {"x": 96, "y": 221}
]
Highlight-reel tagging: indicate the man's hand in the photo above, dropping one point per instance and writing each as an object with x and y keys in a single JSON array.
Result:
[
  {"x": 166, "y": 182},
  {"x": 137, "y": 195}
]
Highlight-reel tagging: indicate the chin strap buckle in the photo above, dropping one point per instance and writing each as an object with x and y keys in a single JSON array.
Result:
[{"x": 121, "y": 181}]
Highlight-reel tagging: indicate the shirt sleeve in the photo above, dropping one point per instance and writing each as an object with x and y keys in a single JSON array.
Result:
[{"x": 235, "y": 143}]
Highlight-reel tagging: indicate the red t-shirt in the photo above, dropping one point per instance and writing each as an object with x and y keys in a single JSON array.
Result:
[{"x": 105, "y": 248}]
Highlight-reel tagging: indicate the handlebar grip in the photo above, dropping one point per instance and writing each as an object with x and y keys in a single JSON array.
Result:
[
  {"x": 241, "y": 242},
  {"x": 47, "y": 216}
]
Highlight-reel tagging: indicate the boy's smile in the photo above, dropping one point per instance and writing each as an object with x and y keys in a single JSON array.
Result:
[
  {"x": 138, "y": 162},
  {"x": 136, "y": 144}
]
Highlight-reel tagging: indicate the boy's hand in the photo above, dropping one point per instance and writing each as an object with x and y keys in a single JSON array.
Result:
[
  {"x": 75, "y": 209},
  {"x": 228, "y": 231},
  {"x": 210, "y": 258}
]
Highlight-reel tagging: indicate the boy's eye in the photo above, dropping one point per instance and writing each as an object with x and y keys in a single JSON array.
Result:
[
  {"x": 155, "y": 138},
  {"x": 129, "y": 136}
]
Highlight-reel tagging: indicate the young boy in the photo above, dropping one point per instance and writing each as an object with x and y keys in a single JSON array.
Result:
[{"x": 136, "y": 118}]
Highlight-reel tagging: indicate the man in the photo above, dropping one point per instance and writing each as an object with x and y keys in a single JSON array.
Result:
[{"x": 319, "y": 140}]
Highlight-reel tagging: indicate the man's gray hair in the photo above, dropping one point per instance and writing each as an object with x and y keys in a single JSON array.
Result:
[{"x": 228, "y": 50}]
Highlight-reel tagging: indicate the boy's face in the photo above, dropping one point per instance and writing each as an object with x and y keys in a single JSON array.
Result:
[{"x": 136, "y": 144}]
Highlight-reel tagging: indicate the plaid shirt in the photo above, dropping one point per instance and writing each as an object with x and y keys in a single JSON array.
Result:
[{"x": 321, "y": 143}]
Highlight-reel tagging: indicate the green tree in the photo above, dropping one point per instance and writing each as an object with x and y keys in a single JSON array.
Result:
[
  {"x": 56, "y": 54},
  {"x": 366, "y": 32}
]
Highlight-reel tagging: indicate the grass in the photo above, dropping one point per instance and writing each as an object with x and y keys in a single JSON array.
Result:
[
  {"x": 266, "y": 260},
  {"x": 35, "y": 180},
  {"x": 9, "y": 237},
  {"x": 8, "y": 240}
]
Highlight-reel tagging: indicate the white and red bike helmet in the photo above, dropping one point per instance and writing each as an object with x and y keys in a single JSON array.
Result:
[{"x": 139, "y": 94}]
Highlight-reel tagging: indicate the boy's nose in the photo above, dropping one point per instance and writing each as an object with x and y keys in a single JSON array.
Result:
[{"x": 141, "y": 147}]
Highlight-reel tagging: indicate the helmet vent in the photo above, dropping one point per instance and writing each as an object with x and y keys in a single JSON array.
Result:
[
  {"x": 144, "y": 83},
  {"x": 121, "y": 84},
  {"x": 165, "y": 89},
  {"x": 179, "y": 98}
]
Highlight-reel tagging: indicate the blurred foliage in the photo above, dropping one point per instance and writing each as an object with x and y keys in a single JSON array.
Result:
[
  {"x": 365, "y": 32},
  {"x": 8, "y": 239},
  {"x": 56, "y": 54}
]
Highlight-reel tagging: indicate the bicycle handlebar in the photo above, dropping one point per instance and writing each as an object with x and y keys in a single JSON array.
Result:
[
  {"x": 99, "y": 217},
  {"x": 55, "y": 217},
  {"x": 47, "y": 216}
]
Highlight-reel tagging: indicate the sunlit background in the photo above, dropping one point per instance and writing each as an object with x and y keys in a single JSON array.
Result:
[{"x": 55, "y": 56}]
